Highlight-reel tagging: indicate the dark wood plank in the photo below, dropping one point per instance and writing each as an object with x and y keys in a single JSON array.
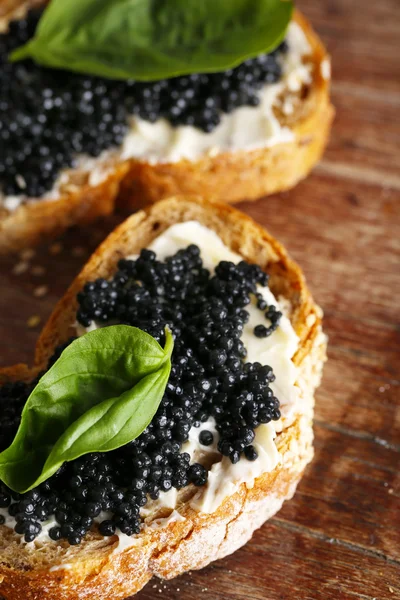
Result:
[
  {"x": 285, "y": 561},
  {"x": 339, "y": 536}
]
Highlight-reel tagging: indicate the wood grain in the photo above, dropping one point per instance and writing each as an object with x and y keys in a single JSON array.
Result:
[{"x": 339, "y": 537}]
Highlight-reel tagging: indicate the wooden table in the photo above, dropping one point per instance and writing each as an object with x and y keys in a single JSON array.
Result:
[{"x": 338, "y": 538}]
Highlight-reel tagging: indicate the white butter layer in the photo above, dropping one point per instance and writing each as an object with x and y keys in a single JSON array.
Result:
[
  {"x": 245, "y": 128},
  {"x": 224, "y": 478}
]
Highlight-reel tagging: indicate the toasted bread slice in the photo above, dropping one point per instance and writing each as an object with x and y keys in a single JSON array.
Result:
[
  {"x": 100, "y": 568},
  {"x": 233, "y": 175}
]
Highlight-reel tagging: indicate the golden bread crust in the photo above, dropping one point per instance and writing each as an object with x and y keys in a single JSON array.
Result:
[
  {"x": 15, "y": 9},
  {"x": 98, "y": 568},
  {"x": 39, "y": 220}
]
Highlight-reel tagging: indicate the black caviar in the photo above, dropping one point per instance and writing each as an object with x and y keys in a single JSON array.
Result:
[
  {"x": 48, "y": 116},
  {"x": 12, "y": 400},
  {"x": 209, "y": 378}
]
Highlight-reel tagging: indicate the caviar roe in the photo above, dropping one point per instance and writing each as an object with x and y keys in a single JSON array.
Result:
[
  {"x": 209, "y": 378},
  {"x": 50, "y": 116}
]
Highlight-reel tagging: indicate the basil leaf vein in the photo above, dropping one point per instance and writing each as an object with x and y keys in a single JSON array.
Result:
[
  {"x": 155, "y": 39},
  {"x": 99, "y": 395}
]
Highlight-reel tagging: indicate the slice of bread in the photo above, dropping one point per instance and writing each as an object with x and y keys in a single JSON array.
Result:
[
  {"x": 237, "y": 175},
  {"x": 100, "y": 568}
]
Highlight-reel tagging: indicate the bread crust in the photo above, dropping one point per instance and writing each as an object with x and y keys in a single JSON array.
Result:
[
  {"x": 98, "y": 569},
  {"x": 133, "y": 184},
  {"x": 244, "y": 175},
  {"x": 39, "y": 220},
  {"x": 15, "y": 9}
]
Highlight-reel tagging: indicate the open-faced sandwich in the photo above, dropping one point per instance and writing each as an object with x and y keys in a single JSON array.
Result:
[
  {"x": 138, "y": 101},
  {"x": 169, "y": 412}
]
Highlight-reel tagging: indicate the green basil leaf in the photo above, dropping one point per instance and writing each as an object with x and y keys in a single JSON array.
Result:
[
  {"x": 100, "y": 394},
  {"x": 154, "y": 39}
]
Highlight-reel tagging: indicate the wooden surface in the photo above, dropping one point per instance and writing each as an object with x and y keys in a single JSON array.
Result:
[{"x": 339, "y": 537}]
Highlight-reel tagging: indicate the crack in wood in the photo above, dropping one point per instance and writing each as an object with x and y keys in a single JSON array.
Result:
[
  {"x": 372, "y": 465},
  {"x": 359, "y": 174},
  {"x": 360, "y": 435},
  {"x": 358, "y": 353},
  {"x": 296, "y": 528},
  {"x": 359, "y": 90},
  {"x": 356, "y": 318}
]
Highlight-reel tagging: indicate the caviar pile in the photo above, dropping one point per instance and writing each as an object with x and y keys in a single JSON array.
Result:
[
  {"x": 50, "y": 116},
  {"x": 209, "y": 378},
  {"x": 12, "y": 399}
]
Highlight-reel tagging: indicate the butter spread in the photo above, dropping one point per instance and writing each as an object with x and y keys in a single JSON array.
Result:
[
  {"x": 245, "y": 128},
  {"x": 224, "y": 478}
]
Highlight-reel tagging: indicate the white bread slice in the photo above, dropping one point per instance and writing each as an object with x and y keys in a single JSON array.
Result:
[
  {"x": 235, "y": 175},
  {"x": 99, "y": 568}
]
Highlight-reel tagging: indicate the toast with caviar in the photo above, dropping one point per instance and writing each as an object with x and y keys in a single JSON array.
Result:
[
  {"x": 295, "y": 131},
  {"x": 228, "y": 476},
  {"x": 81, "y": 145}
]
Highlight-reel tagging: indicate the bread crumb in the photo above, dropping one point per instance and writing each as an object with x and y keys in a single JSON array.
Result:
[
  {"x": 20, "y": 268},
  {"x": 40, "y": 291},
  {"x": 391, "y": 590},
  {"x": 390, "y": 491},
  {"x": 310, "y": 320},
  {"x": 27, "y": 254},
  {"x": 55, "y": 248},
  {"x": 33, "y": 321},
  {"x": 38, "y": 270}
]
